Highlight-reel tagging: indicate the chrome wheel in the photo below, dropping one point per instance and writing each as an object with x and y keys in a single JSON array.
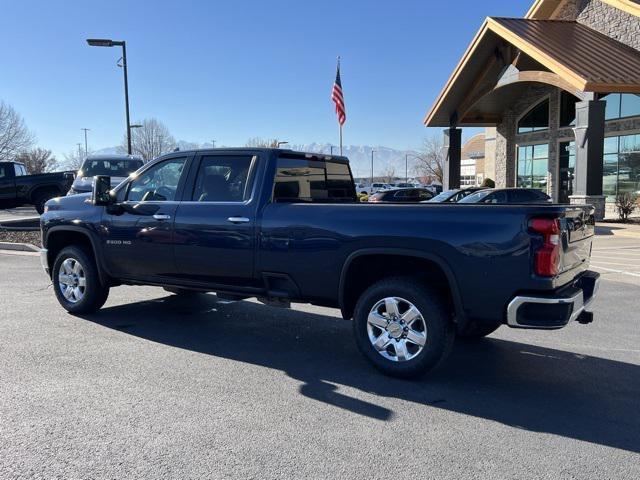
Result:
[
  {"x": 396, "y": 329},
  {"x": 72, "y": 281}
]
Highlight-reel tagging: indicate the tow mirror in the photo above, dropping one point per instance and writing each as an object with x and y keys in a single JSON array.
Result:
[{"x": 101, "y": 193}]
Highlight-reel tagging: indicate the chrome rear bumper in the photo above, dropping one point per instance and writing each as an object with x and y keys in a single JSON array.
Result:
[{"x": 554, "y": 311}]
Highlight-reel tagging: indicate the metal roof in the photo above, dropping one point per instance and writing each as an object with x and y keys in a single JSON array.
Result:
[{"x": 563, "y": 53}]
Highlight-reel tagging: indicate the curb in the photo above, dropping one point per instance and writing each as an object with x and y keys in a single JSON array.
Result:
[{"x": 18, "y": 247}]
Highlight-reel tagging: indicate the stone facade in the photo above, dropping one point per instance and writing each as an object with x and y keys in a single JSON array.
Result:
[{"x": 604, "y": 18}]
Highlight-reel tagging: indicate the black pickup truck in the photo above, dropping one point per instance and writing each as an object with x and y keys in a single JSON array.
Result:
[
  {"x": 285, "y": 227},
  {"x": 17, "y": 187}
]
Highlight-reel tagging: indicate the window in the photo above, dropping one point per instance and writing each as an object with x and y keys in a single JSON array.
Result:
[
  {"x": 302, "y": 180},
  {"x": 110, "y": 167},
  {"x": 3, "y": 171},
  {"x": 620, "y": 105},
  {"x": 23, "y": 170},
  {"x": 567, "y": 109},
  {"x": 621, "y": 166},
  {"x": 533, "y": 163},
  {"x": 157, "y": 184},
  {"x": 223, "y": 179},
  {"x": 536, "y": 119}
]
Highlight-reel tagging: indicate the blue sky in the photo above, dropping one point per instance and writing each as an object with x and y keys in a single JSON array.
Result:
[{"x": 236, "y": 69}]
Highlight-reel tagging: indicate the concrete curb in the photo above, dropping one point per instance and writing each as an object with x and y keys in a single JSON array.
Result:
[{"x": 18, "y": 247}]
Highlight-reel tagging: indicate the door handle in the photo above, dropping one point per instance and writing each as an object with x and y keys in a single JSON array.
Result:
[
  {"x": 159, "y": 216},
  {"x": 238, "y": 219}
]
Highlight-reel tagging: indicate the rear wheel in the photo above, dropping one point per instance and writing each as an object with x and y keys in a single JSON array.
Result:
[
  {"x": 477, "y": 330},
  {"x": 402, "y": 327},
  {"x": 76, "y": 282}
]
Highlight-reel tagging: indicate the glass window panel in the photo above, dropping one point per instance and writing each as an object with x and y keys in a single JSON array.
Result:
[
  {"x": 611, "y": 145},
  {"x": 630, "y": 105},
  {"x": 612, "y": 110},
  {"x": 567, "y": 109},
  {"x": 157, "y": 184},
  {"x": 536, "y": 119},
  {"x": 222, "y": 179},
  {"x": 541, "y": 151}
]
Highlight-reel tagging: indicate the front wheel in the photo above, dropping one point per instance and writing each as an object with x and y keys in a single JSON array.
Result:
[
  {"x": 402, "y": 327},
  {"x": 76, "y": 282}
]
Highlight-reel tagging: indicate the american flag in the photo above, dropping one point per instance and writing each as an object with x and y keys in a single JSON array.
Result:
[{"x": 338, "y": 98}]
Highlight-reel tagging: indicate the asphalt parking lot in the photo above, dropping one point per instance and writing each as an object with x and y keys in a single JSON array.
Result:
[{"x": 155, "y": 387}]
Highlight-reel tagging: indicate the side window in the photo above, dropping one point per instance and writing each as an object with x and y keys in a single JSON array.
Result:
[
  {"x": 3, "y": 171},
  {"x": 157, "y": 184},
  {"x": 20, "y": 171},
  {"x": 496, "y": 197},
  {"x": 424, "y": 195},
  {"x": 223, "y": 179},
  {"x": 302, "y": 180},
  {"x": 403, "y": 194}
]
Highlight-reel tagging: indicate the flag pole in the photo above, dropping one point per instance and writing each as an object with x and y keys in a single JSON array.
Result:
[{"x": 339, "y": 123}]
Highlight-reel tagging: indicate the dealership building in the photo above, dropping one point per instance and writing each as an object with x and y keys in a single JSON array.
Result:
[{"x": 559, "y": 94}]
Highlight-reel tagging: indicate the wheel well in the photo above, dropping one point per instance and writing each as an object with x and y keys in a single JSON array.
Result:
[
  {"x": 56, "y": 241},
  {"x": 44, "y": 189},
  {"x": 366, "y": 270}
]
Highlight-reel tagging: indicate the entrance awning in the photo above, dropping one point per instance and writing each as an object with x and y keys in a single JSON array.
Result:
[{"x": 563, "y": 53}]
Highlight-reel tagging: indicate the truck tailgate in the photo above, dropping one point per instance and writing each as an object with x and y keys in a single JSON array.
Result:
[{"x": 577, "y": 231}]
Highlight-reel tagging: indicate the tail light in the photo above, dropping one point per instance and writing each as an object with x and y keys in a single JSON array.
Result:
[{"x": 547, "y": 257}]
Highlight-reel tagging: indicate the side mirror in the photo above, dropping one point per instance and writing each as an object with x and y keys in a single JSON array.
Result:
[{"x": 101, "y": 193}]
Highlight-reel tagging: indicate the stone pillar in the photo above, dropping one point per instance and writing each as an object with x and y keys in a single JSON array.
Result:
[
  {"x": 589, "y": 132},
  {"x": 453, "y": 154}
]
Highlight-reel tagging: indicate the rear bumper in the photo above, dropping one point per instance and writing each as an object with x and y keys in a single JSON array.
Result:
[{"x": 555, "y": 310}]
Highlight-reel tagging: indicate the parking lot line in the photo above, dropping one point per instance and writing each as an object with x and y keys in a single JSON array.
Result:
[{"x": 613, "y": 270}]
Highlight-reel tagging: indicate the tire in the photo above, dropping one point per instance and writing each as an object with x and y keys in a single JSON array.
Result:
[
  {"x": 396, "y": 354},
  {"x": 67, "y": 281},
  {"x": 41, "y": 198},
  {"x": 474, "y": 330}
]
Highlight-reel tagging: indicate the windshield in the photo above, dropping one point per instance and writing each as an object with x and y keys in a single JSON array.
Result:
[
  {"x": 475, "y": 197},
  {"x": 112, "y": 168},
  {"x": 443, "y": 196}
]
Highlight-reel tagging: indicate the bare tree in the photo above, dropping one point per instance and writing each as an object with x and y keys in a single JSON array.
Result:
[
  {"x": 15, "y": 137},
  {"x": 73, "y": 159},
  {"x": 430, "y": 161},
  {"x": 261, "y": 142},
  {"x": 38, "y": 160},
  {"x": 389, "y": 174},
  {"x": 150, "y": 141}
]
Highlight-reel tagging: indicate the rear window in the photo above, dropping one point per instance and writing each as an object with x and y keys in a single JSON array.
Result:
[
  {"x": 112, "y": 168},
  {"x": 312, "y": 181}
]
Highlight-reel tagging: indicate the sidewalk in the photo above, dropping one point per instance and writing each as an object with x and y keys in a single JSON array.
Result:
[{"x": 628, "y": 230}]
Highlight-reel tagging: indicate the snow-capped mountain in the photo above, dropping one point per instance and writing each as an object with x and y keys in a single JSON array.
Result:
[{"x": 385, "y": 159}]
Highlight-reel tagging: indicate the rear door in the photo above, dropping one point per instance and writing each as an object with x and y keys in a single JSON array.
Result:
[{"x": 215, "y": 236}]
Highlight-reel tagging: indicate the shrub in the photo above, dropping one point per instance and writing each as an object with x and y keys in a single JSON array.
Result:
[
  {"x": 626, "y": 203},
  {"x": 488, "y": 183}
]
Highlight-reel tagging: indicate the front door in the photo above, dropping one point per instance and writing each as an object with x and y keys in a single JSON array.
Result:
[
  {"x": 567, "y": 164},
  {"x": 138, "y": 232},
  {"x": 215, "y": 225}
]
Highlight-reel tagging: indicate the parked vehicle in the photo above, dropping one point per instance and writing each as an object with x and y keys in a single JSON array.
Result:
[
  {"x": 17, "y": 187},
  {"x": 508, "y": 195},
  {"x": 453, "y": 196},
  {"x": 286, "y": 226},
  {"x": 117, "y": 167},
  {"x": 401, "y": 195}
]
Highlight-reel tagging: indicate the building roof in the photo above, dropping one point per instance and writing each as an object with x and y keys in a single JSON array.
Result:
[
  {"x": 474, "y": 147},
  {"x": 582, "y": 59}
]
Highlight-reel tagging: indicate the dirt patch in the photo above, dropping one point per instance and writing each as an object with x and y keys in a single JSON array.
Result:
[{"x": 20, "y": 237}]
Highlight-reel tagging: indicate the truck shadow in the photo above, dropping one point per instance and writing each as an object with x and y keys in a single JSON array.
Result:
[{"x": 528, "y": 387}]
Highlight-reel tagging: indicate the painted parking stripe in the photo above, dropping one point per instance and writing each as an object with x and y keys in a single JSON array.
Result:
[
  {"x": 593, "y": 262},
  {"x": 633, "y": 274}
]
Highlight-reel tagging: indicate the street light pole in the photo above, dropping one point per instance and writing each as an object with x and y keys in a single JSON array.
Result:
[
  {"x": 100, "y": 42},
  {"x": 86, "y": 149},
  {"x": 372, "y": 150}
]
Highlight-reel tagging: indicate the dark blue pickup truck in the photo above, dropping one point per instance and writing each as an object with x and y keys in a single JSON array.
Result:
[{"x": 285, "y": 227}]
